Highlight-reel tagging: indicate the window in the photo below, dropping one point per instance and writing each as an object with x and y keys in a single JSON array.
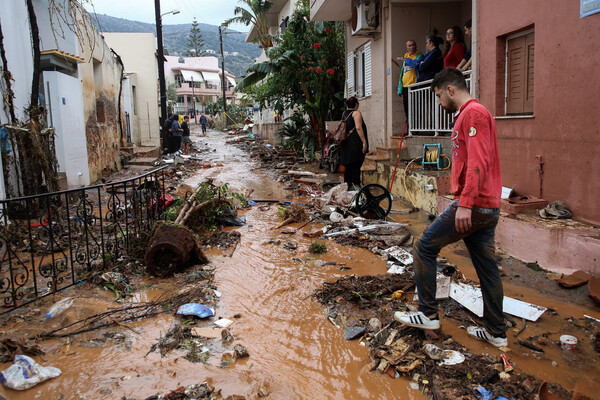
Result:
[
  {"x": 519, "y": 73},
  {"x": 359, "y": 72}
]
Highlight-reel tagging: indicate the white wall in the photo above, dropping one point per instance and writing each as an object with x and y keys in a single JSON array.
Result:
[
  {"x": 137, "y": 50},
  {"x": 15, "y": 27},
  {"x": 65, "y": 115}
]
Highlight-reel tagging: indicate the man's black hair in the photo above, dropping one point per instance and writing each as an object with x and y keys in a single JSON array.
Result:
[
  {"x": 468, "y": 24},
  {"x": 449, "y": 76}
]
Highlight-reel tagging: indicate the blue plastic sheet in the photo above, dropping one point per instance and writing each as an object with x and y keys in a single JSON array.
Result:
[
  {"x": 199, "y": 310},
  {"x": 484, "y": 394}
]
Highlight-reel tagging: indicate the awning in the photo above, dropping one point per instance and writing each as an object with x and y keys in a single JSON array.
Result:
[
  {"x": 231, "y": 80},
  {"x": 189, "y": 76},
  {"x": 211, "y": 76}
]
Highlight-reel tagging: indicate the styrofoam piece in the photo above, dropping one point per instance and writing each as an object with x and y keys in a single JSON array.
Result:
[
  {"x": 399, "y": 254},
  {"x": 443, "y": 287},
  {"x": 381, "y": 229},
  {"x": 472, "y": 299},
  {"x": 452, "y": 357},
  {"x": 396, "y": 269},
  {"x": 223, "y": 322}
]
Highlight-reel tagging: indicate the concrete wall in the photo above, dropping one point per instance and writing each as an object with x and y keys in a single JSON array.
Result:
[
  {"x": 137, "y": 50},
  {"x": 101, "y": 79},
  {"x": 565, "y": 128},
  {"x": 65, "y": 111}
]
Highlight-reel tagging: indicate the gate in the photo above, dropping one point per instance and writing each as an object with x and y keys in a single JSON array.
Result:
[{"x": 52, "y": 241}]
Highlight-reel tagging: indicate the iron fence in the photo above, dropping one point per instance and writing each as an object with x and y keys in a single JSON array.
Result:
[{"x": 52, "y": 241}]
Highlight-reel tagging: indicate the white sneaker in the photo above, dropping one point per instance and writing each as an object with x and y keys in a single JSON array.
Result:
[
  {"x": 416, "y": 320},
  {"x": 482, "y": 334}
]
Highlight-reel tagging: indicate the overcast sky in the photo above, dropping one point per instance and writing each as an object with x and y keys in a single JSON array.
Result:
[{"x": 212, "y": 12}]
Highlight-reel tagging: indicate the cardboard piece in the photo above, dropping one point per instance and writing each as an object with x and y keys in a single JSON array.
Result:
[{"x": 399, "y": 254}]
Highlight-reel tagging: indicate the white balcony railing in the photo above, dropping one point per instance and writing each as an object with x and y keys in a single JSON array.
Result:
[{"x": 425, "y": 115}]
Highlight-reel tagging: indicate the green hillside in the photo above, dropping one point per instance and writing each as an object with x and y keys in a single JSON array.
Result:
[{"x": 175, "y": 39}]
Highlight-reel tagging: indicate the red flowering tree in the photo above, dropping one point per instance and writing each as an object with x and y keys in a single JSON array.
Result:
[{"x": 305, "y": 71}]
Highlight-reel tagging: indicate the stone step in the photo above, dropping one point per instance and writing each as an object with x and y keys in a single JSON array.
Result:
[
  {"x": 142, "y": 151},
  {"x": 146, "y": 161}
]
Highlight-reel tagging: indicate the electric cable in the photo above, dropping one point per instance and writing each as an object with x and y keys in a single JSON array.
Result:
[{"x": 408, "y": 195}]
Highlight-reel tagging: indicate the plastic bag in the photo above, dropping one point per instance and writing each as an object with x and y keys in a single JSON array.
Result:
[{"x": 26, "y": 373}]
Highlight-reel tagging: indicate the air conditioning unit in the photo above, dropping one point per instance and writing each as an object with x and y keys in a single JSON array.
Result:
[{"x": 365, "y": 17}]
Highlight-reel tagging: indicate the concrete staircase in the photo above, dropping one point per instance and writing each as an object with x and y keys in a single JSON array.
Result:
[{"x": 140, "y": 157}]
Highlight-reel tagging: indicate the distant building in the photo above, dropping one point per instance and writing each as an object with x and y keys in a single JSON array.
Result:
[
  {"x": 198, "y": 82},
  {"x": 209, "y": 51},
  {"x": 138, "y": 52}
]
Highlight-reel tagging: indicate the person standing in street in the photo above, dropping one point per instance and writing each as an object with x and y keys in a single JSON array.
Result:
[
  {"x": 356, "y": 146},
  {"x": 167, "y": 135},
  {"x": 177, "y": 131},
  {"x": 203, "y": 122},
  {"x": 473, "y": 215},
  {"x": 185, "y": 137},
  {"x": 408, "y": 72}
]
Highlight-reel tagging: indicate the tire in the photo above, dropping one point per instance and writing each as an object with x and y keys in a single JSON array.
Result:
[{"x": 334, "y": 160}]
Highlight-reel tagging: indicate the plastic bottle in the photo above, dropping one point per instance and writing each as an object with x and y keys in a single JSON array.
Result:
[{"x": 59, "y": 307}]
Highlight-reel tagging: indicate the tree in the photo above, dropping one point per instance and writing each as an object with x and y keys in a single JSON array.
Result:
[
  {"x": 256, "y": 16},
  {"x": 305, "y": 70},
  {"x": 195, "y": 42}
]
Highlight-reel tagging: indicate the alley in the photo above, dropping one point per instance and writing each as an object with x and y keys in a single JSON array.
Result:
[{"x": 295, "y": 352}]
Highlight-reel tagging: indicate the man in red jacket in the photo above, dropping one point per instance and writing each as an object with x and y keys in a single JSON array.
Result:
[{"x": 472, "y": 216}]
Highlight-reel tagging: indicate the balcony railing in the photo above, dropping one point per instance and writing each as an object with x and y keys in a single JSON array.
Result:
[{"x": 425, "y": 115}]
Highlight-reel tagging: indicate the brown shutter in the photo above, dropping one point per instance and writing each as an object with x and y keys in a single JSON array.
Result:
[
  {"x": 520, "y": 53},
  {"x": 528, "y": 103}
]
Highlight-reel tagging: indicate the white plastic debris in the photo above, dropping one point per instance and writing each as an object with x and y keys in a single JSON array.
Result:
[
  {"x": 223, "y": 322},
  {"x": 26, "y": 373},
  {"x": 396, "y": 269},
  {"x": 472, "y": 299},
  {"x": 399, "y": 254}
]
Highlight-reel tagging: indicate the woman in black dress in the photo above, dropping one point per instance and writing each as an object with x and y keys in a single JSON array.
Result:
[{"x": 356, "y": 146}]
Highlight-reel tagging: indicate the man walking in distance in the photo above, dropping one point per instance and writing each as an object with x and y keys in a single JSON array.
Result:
[
  {"x": 472, "y": 216},
  {"x": 203, "y": 122},
  {"x": 185, "y": 137}
]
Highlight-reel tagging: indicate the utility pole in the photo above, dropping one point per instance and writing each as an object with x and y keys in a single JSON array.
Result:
[
  {"x": 161, "y": 67},
  {"x": 223, "y": 76}
]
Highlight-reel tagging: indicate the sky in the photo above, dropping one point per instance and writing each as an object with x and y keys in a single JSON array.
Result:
[{"x": 212, "y": 12}]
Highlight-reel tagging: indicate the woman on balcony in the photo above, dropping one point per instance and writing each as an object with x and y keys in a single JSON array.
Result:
[
  {"x": 433, "y": 61},
  {"x": 454, "y": 47}
]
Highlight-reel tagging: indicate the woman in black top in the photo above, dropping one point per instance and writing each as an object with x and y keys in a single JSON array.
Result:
[
  {"x": 433, "y": 61},
  {"x": 356, "y": 146}
]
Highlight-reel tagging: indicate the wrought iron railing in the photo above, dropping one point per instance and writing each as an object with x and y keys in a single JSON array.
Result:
[
  {"x": 52, "y": 241},
  {"x": 425, "y": 115}
]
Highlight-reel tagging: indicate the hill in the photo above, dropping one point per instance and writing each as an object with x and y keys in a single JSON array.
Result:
[{"x": 175, "y": 39}]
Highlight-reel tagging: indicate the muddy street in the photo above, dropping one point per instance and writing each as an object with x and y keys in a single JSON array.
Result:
[{"x": 265, "y": 288}]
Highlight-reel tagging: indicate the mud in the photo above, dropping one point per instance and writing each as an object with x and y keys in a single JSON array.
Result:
[{"x": 295, "y": 351}]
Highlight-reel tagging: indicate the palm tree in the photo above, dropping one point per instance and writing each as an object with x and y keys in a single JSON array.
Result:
[{"x": 257, "y": 16}]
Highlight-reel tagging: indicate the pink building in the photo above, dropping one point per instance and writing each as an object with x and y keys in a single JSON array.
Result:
[{"x": 199, "y": 82}]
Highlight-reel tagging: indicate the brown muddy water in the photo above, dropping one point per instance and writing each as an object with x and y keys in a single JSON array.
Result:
[{"x": 295, "y": 352}]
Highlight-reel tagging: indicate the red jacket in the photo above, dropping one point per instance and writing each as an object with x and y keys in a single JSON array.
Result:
[{"x": 476, "y": 179}]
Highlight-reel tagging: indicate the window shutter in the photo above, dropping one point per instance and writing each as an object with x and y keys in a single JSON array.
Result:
[
  {"x": 528, "y": 102},
  {"x": 350, "y": 71},
  {"x": 367, "y": 69},
  {"x": 520, "y": 69},
  {"x": 516, "y": 75}
]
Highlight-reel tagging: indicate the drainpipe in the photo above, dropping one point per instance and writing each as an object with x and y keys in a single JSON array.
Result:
[
  {"x": 540, "y": 173},
  {"x": 385, "y": 15},
  {"x": 120, "y": 92}
]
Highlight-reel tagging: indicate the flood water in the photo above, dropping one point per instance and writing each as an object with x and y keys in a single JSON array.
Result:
[{"x": 295, "y": 352}]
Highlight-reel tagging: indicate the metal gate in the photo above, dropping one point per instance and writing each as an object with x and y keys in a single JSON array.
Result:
[{"x": 52, "y": 241}]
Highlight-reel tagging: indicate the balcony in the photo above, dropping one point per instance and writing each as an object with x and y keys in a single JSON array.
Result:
[
  {"x": 425, "y": 115},
  {"x": 330, "y": 10}
]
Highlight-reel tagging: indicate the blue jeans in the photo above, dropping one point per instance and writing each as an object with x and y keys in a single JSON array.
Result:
[{"x": 480, "y": 243}]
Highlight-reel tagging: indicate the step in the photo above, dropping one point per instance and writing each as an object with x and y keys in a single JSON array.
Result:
[
  {"x": 142, "y": 151},
  {"x": 147, "y": 161},
  {"x": 368, "y": 168}
]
